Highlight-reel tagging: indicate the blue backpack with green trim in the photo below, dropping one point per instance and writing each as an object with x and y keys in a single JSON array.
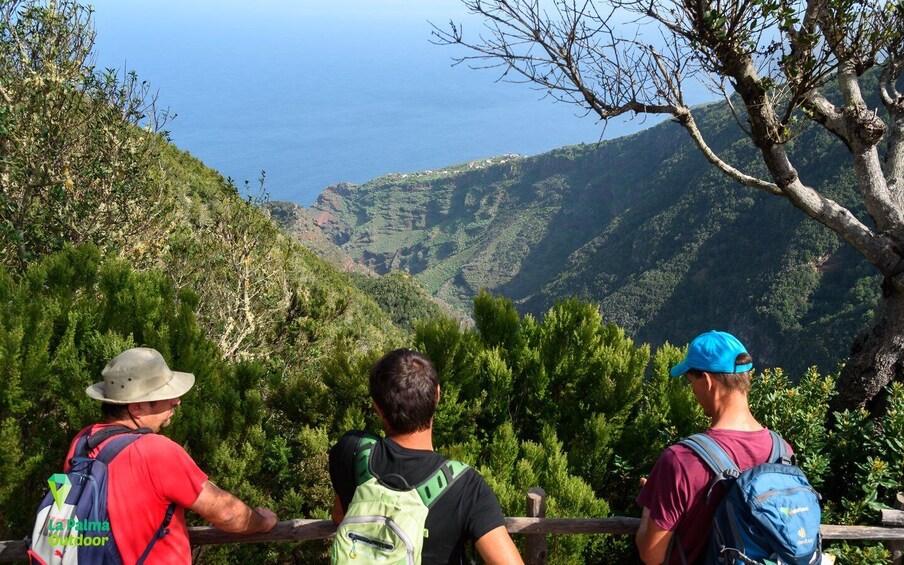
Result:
[
  {"x": 769, "y": 515},
  {"x": 73, "y": 523},
  {"x": 385, "y": 520}
]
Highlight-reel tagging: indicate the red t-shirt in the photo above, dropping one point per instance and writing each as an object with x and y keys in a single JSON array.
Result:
[
  {"x": 142, "y": 481},
  {"x": 675, "y": 490}
]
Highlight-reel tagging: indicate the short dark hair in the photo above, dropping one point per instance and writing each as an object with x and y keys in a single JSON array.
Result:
[
  {"x": 739, "y": 382},
  {"x": 112, "y": 412},
  {"x": 403, "y": 384}
]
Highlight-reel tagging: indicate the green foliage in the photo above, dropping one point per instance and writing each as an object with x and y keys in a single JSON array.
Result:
[
  {"x": 852, "y": 554},
  {"x": 667, "y": 412},
  {"x": 62, "y": 321},
  {"x": 543, "y": 403},
  {"x": 865, "y": 459},
  {"x": 799, "y": 414},
  {"x": 77, "y": 148},
  {"x": 567, "y": 403},
  {"x": 401, "y": 297}
]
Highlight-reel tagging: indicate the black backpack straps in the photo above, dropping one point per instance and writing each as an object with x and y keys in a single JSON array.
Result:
[
  {"x": 115, "y": 447},
  {"x": 102, "y": 435},
  {"x": 439, "y": 481},
  {"x": 161, "y": 532},
  {"x": 81, "y": 445},
  {"x": 88, "y": 441},
  {"x": 780, "y": 453},
  {"x": 675, "y": 542},
  {"x": 94, "y": 439},
  {"x": 715, "y": 458},
  {"x": 363, "y": 451}
]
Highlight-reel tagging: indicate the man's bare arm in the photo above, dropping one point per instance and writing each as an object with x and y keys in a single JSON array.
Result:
[
  {"x": 226, "y": 512},
  {"x": 652, "y": 541},
  {"x": 497, "y": 548}
]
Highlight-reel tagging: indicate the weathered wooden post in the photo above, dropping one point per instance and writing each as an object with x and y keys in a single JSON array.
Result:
[
  {"x": 895, "y": 518},
  {"x": 535, "y": 551}
]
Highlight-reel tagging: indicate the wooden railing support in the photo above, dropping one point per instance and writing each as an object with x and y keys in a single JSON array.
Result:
[
  {"x": 895, "y": 518},
  {"x": 535, "y": 548}
]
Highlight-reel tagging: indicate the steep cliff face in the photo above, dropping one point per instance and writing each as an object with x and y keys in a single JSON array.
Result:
[
  {"x": 641, "y": 225},
  {"x": 298, "y": 224}
]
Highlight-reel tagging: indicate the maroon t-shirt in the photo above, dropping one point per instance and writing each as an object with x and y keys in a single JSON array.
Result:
[{"x": 675, "y": 490}]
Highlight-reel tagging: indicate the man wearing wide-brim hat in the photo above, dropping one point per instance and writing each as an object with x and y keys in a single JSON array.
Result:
[{"x": 140, "y": 392}]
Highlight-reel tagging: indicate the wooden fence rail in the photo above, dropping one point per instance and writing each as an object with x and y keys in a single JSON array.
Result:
[{"x": 534, "y": 527}]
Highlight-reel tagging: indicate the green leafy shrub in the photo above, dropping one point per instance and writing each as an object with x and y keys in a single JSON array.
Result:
[
  {"x": 78, "y": 152},
  {"x": 567, "y": 403}
]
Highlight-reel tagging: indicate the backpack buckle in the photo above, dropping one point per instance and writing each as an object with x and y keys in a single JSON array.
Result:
[{"x": 731, "y": 473}]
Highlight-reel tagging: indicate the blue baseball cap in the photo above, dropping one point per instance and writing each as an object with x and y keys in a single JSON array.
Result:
[{"x": 714, "y": 352}]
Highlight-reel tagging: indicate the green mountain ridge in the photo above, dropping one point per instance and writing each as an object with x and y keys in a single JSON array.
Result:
[
  {"x": 400, "y": 296},
  {"x": 642, "y": 225},
  {"x": 294, "y": 220}
]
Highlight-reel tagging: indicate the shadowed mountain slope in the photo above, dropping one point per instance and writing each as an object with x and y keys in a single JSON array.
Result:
[{"x": 642, "y": 225}]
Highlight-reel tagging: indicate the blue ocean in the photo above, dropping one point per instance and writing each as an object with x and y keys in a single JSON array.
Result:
[{"x": 315, "y": 93}]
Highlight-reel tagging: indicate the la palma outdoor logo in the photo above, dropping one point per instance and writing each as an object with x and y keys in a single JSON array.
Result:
[
  {"x": 72, "y": 531},
  {"x": 59, "y": 488}
]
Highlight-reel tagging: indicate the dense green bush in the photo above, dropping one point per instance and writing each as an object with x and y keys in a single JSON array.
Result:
[
  {"x": 64, "y": 318},
  {"x": 567, "y": 403},
  {"x": 400, "y": 296},
  {"x": 78, "y": 156}
]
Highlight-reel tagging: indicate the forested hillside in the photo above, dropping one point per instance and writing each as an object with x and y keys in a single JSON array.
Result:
[
  {"x": 642, "y": 225},
  {"x": 111, "y": 237}
]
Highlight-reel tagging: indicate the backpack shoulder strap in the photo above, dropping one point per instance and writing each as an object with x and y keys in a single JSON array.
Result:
[
  {"x": 81, "y": 445},
  {"x": 780, "y": 453},
  {"x": 674, "y": 543},
  {"x": 709, "y": 450},
  {"x": 115, "y": 447},
  {"x": 711, "y": 453},
  {"x": 161, "y": 532},
  {"x": 440, "y": 480},
  {"x": 363, "y": 451},
  {"x": 87, "y": 441}
]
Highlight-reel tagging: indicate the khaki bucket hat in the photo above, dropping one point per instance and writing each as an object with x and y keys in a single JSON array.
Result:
[{"x": 139, "y": 375}]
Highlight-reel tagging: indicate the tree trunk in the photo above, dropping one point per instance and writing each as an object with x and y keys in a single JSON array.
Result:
[{"x": 877, "y": 356}]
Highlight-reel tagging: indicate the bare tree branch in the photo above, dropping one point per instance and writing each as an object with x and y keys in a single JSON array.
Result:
[
  {"x": 686, "y": 120},
  {"x": 893, "y": 100},
  {"x": 866, "y": 130},
  {"x": 828, "y": 115}
]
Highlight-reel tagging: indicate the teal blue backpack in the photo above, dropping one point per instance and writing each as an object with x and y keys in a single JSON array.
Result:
[
  {"x": 770, "y": 514},
  {"x": 384, "y": 523}
]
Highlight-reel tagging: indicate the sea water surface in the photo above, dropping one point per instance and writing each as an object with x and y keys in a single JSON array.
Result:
[{"x": 316, "y": 93}]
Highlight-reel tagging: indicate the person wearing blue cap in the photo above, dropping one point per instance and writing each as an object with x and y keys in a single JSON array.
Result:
[{"x": 673, "y": 496}]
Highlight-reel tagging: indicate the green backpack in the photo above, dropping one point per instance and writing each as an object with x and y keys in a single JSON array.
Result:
[{"x": 384, "y": 524}]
